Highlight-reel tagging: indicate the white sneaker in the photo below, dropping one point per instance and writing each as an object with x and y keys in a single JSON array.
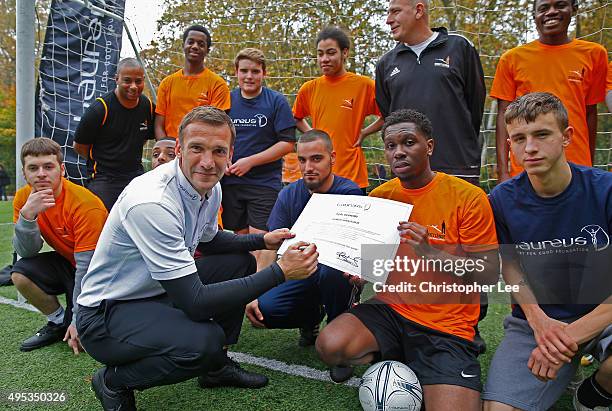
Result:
[
  {"x": 580, "y": 407},
  {"x": 576, "y": 381}
]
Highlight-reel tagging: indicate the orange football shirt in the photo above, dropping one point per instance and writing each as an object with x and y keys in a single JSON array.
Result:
[
  {"x": 459, "y": 219},
  {"x": 71, "y": 226},
  {"x": 338, "y": 106},
  {"x": 291, "y": 168},
  {"x": 575, "y": 72},
  {"x": 178, "y": 94}
]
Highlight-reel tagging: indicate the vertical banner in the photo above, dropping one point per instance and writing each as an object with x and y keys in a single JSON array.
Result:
[{"x": 78, "y": 64}]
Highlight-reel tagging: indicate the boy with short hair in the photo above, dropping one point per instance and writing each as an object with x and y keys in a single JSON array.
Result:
[
  {"x": 265, "y": 132},
  {"x": 573, "y": 70},
  {"x": 70, "y": 219},
  {"x": 193, "y": 85},
  {"x": 555, "y": 220}
]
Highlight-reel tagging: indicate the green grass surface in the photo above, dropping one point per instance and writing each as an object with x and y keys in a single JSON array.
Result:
[{"x": 55, "y": 368}]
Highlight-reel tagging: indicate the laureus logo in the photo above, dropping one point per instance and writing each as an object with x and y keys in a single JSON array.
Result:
[
  {"x": 599, "y": 237},
  {"x": 258, "y": 120},
  {"x": 262, "y": 120}
]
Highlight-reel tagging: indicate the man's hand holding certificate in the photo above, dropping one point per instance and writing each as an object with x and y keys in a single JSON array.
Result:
[{"x": 340, "y": 224}]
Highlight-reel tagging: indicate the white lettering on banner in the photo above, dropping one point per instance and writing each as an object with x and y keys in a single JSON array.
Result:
[{"x": 92, "y": 59}]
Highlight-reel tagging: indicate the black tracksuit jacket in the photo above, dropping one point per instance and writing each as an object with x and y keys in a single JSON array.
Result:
[{"x": 446, "y": 83}]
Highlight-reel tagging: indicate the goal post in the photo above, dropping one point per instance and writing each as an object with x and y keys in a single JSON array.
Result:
[{"x": 25, "y": 58}]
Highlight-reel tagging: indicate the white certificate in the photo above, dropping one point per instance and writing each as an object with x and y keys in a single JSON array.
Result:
[{"x": 340, "y": 224}]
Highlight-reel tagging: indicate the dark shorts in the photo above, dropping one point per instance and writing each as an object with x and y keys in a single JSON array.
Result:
[
  {"x": 434, "y": 356},
  {"x": 51, "y": 272},
  {"x": 108, "y": 187},
  {"x": 247, "y": 206}
]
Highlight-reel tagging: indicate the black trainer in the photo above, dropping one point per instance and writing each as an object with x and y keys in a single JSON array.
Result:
[
  {"x": 308, "y": 335},
  {"x": 49, "y": 334},
  {"x": 341, "y": 373},
  {"x": 232, "y": 375},
  {"x": 112, "y": 400}
]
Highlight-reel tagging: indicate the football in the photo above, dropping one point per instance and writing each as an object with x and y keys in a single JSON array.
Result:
[{"x": 390, "y": 385}]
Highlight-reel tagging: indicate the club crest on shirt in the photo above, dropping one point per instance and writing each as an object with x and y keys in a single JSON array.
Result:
[
  {"x": 347, "y": 103},
  {"x": 576, "y": 76},
  {"x": 442, "y": 62},
  {"x": 600, "y": 240},
  {"x": 437, "y": 232}
]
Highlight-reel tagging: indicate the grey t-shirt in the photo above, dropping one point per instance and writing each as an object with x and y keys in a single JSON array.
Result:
[
  {"x": 151, "y": 234},
  {"x": 418, "y": 48}
]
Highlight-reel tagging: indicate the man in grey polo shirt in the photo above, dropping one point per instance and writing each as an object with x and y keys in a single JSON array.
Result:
[{"x": 148, "y": 313}]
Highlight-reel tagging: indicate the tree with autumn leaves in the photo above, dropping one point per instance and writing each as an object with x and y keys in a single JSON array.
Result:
[
  {"x": 285, "y": 30},
  {"x": 8, "y": 62}
]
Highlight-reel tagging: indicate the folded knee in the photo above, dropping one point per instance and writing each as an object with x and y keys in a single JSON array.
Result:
[
  {"x": 250, "y": 262},
  {"x": 331, "y": 347},
  {"x": 605, "y": 369},
  {"x": 19, "y": 280}
]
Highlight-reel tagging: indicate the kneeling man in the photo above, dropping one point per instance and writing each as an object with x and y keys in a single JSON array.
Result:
[
  {"x": 148, "y": 313},
  {"x": 555, "y": 220},
  {"x": 69, "y": 218},
  {"x": 451, "y": 222},
  {"x": 303, "y": 304}
]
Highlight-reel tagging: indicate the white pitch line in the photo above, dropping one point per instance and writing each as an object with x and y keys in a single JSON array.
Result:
[
  {"x": 275, "y": 365},
  {"x": 15, "y": 303},
  {"x": 292, "y": 369}
]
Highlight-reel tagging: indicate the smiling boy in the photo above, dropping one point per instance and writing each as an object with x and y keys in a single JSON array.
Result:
[
  {"x": 265, "y": 132},
  {"x": 112, "y": 133},
  {"x": 573, "y": 70},
  {"x": 193, "y": 85}
]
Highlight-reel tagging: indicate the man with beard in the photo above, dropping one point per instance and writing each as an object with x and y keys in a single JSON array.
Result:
[{"x": 303, "y": 304}]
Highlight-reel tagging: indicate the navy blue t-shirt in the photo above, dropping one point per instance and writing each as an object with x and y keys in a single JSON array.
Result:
[
  {"x": 258, "y": 122},
  {"x": 293, "y": 198},
  {"x": 562, "y": 243}
]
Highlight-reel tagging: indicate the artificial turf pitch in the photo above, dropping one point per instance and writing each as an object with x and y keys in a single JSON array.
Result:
[{"x": 57, "y": 369}]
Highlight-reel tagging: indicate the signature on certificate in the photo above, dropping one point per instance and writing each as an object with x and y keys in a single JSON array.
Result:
[{"x": 342, "y": 256}]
